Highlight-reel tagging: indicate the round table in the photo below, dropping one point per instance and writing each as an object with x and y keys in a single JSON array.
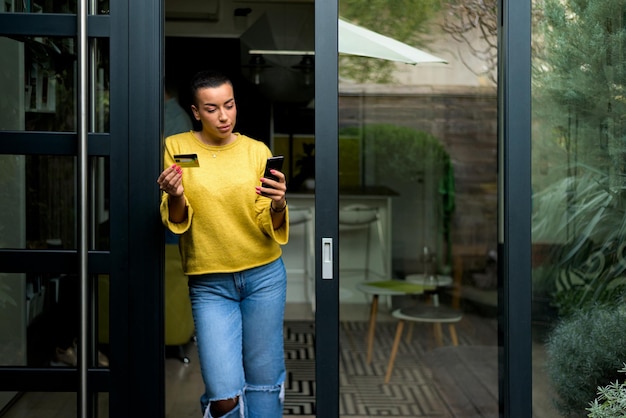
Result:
[
  {"x": 384, "y": 288},
  {"x": 442, "y": 280}
]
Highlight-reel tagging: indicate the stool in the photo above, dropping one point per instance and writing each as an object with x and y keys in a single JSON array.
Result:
[
  {"x": 423, "y": 313},
  {"x": 384, "y": 288}
]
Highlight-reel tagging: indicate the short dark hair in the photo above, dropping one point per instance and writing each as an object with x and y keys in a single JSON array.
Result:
[{"x": 207, "y": 79}]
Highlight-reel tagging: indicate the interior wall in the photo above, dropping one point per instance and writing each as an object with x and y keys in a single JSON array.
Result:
[{"x": 185, "y": 56}]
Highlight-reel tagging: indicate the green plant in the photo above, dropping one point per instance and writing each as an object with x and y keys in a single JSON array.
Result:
[
  {"x": 584, "y": 216},
  {"x": 585, "y": 351},
  {"x": 408, "y": 161},
  {"x": 611, "y": 400}
]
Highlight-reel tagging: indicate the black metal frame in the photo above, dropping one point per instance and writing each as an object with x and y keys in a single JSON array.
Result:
[
  {"x": 326, "y": 207},
  {"x": 514, "y": 201},
  {"x": 136, "y": 379}
]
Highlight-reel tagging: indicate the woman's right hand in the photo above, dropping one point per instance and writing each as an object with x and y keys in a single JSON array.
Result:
[{"x": 171, "y": 181}]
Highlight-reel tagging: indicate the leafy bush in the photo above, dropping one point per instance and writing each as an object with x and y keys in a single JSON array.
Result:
[
  {"x": 611, "y": 400},
  {"x": 585, "y": 351}
]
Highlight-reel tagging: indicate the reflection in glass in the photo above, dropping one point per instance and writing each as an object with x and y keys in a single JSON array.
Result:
[
  {"x": 38, "y": 84},
  {"x": 13, "y": 317},
  {"x": 50, "y": 202},
  {"x": 578, "y": 179},
  {"x": 49, "y": 88},
  {"x": 44, "y": 404},
  {"x": 39, "y": 321},
  {"x": 39, "y": 195},
  {"x": 44, "y": 6},
  {"x": 418, "y": 145},
  {"x": 49, "y": 404}
]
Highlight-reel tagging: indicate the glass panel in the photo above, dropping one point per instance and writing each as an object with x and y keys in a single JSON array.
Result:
[
  {"x": 49, "y": 404},
  {"x": 48, "y": 6},
  {"x": 100, "y": 193},
  {"x": 43, "y": 404},
  {"x": 578, "y": 204},
  {"x": 38, "y": 83},
  {"x": 102, "y": 314},
  {"x": 38, "y": 6},
  {"x": 14, "y": 313},
  {"x": 40, "y": 197},
  {"x": 417, "y": 162},
  {"x": 41, "y": 192},
  {"x": 40, "y": 320},
  {"x": 100, "y": 86}
]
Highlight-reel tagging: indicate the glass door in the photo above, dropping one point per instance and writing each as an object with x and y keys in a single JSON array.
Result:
[
  {"x": 285, "y": 86},
  {"x": 417, "y": 211},
  {"x": 80, "y": 311},
  {"x": 578, "y": 200}
]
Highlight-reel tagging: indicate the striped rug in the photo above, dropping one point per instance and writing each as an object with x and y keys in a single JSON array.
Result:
[{"x": 412, "y": 392}]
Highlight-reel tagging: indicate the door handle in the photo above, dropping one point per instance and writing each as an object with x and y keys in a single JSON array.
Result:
[{"x": 327, "y": 258}]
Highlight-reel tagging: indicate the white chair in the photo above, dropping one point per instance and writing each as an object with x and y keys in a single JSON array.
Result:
[
  {"x": 363, "y": 217},
  {"x": 303, "y": 217}
]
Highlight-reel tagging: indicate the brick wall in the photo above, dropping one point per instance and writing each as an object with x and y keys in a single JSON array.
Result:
[{"x": 465, "y": 121}]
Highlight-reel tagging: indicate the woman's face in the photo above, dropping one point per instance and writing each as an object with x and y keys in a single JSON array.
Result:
[{"x": 215, "y": 108}]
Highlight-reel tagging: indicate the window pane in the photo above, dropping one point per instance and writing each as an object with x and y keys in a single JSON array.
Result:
[
  {"x": 49, "y": 404},
  {"x": 38, "y": 82},
  {"x": 39, "y": 200},
  {"x": 47, "y": 6},
  {"x": 578, "y": 180},
  {"x": 40, "y": 318},
  {"x": 417, "y": 147},
  {"x": 40, "y": 213}
]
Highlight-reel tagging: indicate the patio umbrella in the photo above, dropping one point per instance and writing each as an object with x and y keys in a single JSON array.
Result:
[
  {"x": 279, "y": 35},
  {"x": 277, "y": 46},
  {"x": 357, "y": 40}
]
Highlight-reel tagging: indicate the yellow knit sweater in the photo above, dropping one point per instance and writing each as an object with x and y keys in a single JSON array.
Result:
[{"x": 228, "y": 227}]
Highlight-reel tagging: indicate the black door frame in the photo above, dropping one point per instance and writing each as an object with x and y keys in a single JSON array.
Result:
[
  {"x": 326, "y": 208},
  {"x": 134, "y": 263},
  {"x": 514, "y": 209}
]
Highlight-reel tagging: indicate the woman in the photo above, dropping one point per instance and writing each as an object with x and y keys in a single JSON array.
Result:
[{"x": 231, "y": 229}]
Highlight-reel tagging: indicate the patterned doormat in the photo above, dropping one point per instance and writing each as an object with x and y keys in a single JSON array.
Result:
[{"x": 412, "y": 392}]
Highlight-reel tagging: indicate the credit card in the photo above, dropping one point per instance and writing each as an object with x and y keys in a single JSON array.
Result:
[{"x": 187, "y": 160}]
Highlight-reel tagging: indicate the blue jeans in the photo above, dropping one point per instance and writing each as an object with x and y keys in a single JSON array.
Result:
[{"x": 239, "y": 328}]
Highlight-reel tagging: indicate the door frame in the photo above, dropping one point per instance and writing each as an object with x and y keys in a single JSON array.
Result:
[
  {"x": 326, "y": 208},
  {"x": 514, "y": 209},
  {"x": 136, "y": 379}
]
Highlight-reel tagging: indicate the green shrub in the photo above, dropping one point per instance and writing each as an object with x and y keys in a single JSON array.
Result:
[
  {"x": 611, "y": 400},
  {"x": 585, "y": 350}
]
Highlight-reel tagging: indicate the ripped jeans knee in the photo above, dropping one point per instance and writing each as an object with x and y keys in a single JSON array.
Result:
[
  {"x": 236, "y": 412},
  {"x": 255, "y": 402},
  {"x": 265, "y": 401}
]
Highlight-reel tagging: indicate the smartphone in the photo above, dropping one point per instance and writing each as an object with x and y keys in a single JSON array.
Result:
[{"x": 273, "y": 163}]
